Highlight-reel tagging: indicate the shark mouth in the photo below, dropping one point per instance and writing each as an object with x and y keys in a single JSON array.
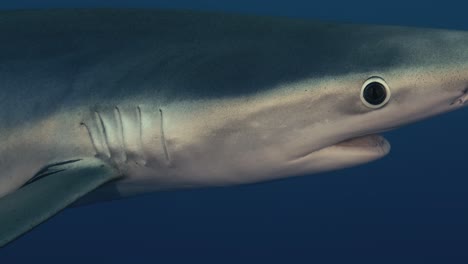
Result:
[
  {"x": 363, "y": 148},
  {"x": 368, "y": 143}
]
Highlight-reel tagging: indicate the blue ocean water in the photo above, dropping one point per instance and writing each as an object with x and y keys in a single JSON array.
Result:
[{"x": 410, "y": 207}]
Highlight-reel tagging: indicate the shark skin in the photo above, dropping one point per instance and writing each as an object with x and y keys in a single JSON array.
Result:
[{"x": 180, "y": 99}]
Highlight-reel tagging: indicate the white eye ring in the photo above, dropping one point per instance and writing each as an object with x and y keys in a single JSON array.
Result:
[{"x": 375, "y": 93}]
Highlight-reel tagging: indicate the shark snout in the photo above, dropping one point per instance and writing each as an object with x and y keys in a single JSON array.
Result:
[{"x": 461, "y": 100}]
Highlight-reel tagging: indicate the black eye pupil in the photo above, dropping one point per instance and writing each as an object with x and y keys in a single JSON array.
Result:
[{"x": 375, "y": 93}]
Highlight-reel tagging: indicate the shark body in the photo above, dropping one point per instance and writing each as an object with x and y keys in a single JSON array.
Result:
[{"x": 176, "y": 99}]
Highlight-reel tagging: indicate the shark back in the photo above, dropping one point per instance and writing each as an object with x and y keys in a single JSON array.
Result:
[{"x": 66, "y": 57}]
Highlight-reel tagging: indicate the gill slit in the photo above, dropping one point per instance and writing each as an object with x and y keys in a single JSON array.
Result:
[
  {"x": 140, "y": 134},
  {"x": 118, "y": 117},
  {"x": 103, "y": 131},
  {"x": 163, "y": 137},
  {"x": 93, "y": 141}
]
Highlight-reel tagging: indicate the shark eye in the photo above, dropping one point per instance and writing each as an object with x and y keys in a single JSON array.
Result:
[{"x": 375, "y": 92}]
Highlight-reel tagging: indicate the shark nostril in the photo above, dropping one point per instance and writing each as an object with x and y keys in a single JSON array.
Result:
[{"x": 461, "y": 100}]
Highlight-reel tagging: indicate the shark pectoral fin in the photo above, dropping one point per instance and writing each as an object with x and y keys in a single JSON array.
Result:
[{"x": 41, "y": 199}]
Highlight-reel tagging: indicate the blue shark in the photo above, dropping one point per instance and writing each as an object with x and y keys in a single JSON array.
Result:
[{"x": 103, "y": 104}]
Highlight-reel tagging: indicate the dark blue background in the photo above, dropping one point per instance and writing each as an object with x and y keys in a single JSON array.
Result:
[{"x": 410, "y": 207}]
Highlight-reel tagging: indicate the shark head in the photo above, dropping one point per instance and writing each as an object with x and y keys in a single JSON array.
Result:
[
  {"x": 386, "y": 77},
  {"x": 357, "y": 107},
  {"x": 338, "y": 124}
]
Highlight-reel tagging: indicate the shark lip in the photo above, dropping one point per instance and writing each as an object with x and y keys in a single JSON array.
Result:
[
  {"x": 373, "y": 145},
  {"x": 371, "y": 142}
]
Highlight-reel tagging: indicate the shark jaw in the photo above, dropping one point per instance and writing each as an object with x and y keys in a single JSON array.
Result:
[
  {"x": 368, "y": 145},
  {"x": 373, "y": 143},
  {"x": 347, "y": 153}
]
